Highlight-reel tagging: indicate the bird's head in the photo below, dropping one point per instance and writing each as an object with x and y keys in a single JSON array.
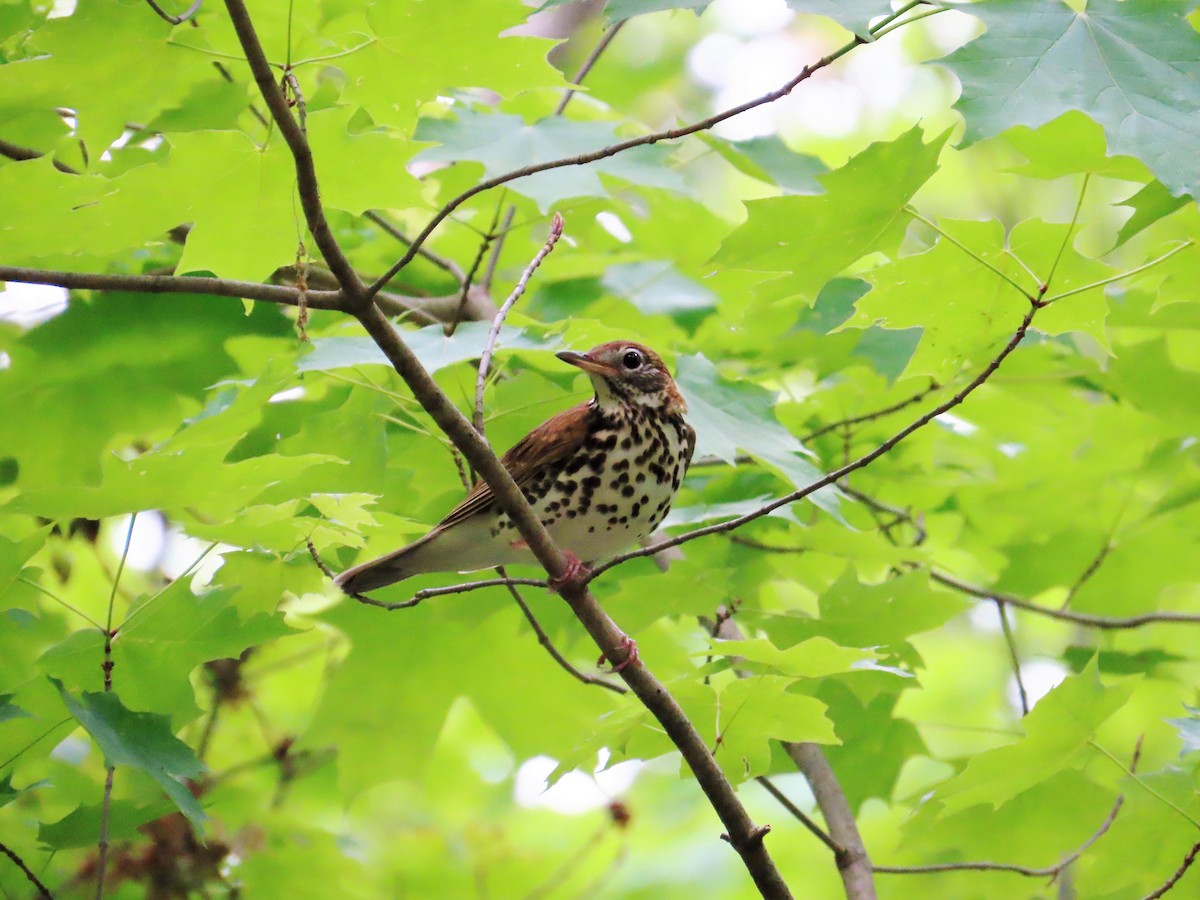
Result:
[{"x": 625, "y": 373}]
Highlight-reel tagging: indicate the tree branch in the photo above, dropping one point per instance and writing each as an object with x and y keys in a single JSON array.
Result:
[
  {"x": 173, "y": 284},
  {"x": 544, "y": 640},
  {"x": 586, "y": 66},
  {"x": 1013, "y": 657},
  {"x": 1104, "y": 623},
  {"x": 854, "y": 865},
  {"x": 1179, "y": 873},
  {"x": 745, "y": 837},
  {"x": 871, "y": 416},
  {"x": 448, "y": 266},
  {"x": 43, "y": 891}
]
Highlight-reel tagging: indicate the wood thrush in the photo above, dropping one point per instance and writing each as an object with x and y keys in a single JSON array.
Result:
[{"x": 600, "y": 476}]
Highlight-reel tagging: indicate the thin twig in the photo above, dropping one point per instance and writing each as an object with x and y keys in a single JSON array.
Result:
[
  {"x": 544, "y": 640},
  {"x": 467, "y": 280},
  {"x": 426, "y": 593},
  {"x": 107, "y": 667},
  {"x": 489, "y": 346},
  {"x": 871, "y": 416},
  {"x": 1013, "y": 657},
  {"x": 1120, "y": 276},
  {"x": 581, "y": 73},
  {"x": 179, "y": 19},
  {"x": 1062, "y": 248},
  {"x": 833, "y": 477},
  {"x": 498, "y": 236},
  {"x": 43, "y": 891},
  {"x": 1052, "y": 872},
  {"x": 445, "y": 264},
  {"x": 1179, "y": 873},
  {"x": 1104, "y": 623},
  {"x": 799, "y": 814},
  {"x": 1087, "y": 573},
  {"x": 613, "y": 149}
]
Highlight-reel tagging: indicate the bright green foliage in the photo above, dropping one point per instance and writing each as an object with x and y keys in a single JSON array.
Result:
[
  {"x": 141, "y": 740},
  {"x": 817, "y": 290},
  {"x": 1133, "y": 67}
]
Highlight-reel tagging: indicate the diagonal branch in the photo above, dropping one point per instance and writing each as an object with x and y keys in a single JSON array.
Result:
[
  {"x": 834, "y": 476},
  {"x": 854, "y": 865},
  {"x": 743, "y": 834},
  {"x": 1179, "y": 873},
  {"x": 43, "y": 891}
]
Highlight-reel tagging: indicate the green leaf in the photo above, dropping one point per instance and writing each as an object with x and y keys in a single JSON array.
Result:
[
  {"x": 1133, "y": 66},
  {"x": 730, "y": 416},
  {"x": 505, "y": 143},
  {"x": 619, "y": 10},
  {"x": 80, "y": 826},
  {"x": 141, "y": 740},
  {"x": 1057, "y": 731},
  {"x": 9, "y": 710},
  {"x": 431, "y": 345},
  {"x": 117, "y": 92},
  {"x": 439, "y": 47},
  {"x": 1151, "y": 203},
  {"x": 871, "y": 615},
  {"x": 813, "y": 658},
  {"x": 853, "y": 15},
  {"x": 657, "y": 287},
  {"x": 1068, "y": 145},
  {"x": 751, "y": 710},
  {"x": 769, "y": 159},
  {"x": 814, "y": 239}
]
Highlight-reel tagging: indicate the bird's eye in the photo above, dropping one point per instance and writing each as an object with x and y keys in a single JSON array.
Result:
[{"x": 631, "y": 360}]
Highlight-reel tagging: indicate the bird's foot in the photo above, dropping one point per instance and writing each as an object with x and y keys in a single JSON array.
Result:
[
  {"x": 629, "y": 645},
  {"x": 575, "y": 569}
]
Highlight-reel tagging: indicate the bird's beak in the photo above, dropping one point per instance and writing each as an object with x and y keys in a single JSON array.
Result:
[{"x": 585, "y": 362}]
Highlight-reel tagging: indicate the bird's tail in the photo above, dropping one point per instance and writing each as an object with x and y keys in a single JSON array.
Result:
[
  {"x": 462, "y": 547},
  {"x": 395, "y": 566}
]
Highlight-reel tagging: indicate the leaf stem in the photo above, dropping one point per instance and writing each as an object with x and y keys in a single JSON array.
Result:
[
  {"x": 1062, "y": 248},
  {"x": 1128, "y": 274},
  {"x": 971, "y": 253}
]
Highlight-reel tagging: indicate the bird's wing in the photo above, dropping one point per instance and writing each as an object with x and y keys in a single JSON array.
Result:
[
  {"x": 689, "y": 436},
  {"x": 555, "y": 439}
]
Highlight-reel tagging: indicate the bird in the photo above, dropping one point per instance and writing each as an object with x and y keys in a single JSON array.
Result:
[{"x": 601, "y": 476}]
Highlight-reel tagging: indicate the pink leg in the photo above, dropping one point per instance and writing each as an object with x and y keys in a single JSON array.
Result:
[
  {"x": 631, "y": 655},
  {"x": 574, "y": 570}
]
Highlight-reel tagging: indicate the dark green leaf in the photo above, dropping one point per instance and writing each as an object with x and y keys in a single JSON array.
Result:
[{"x": 141, "y": 740}]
